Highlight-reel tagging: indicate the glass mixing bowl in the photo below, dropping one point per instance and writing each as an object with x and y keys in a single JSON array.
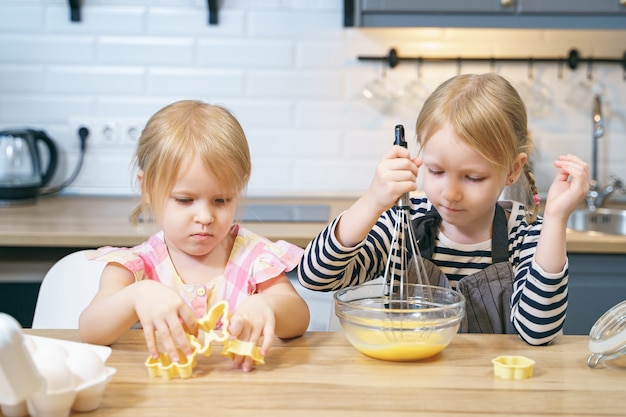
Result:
[
  {"x": 418, "y": 327},
  {"x": 607, "y": 338}
]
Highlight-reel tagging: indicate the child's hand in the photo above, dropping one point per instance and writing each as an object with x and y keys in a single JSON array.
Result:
[
  {"x": 395, "y": 175},
  {"x": 569, "y": 187},
  {"x": 161, "y": 310},
  {"x": 254, "y": 319}
]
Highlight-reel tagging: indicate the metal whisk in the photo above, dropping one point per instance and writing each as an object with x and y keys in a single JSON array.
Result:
[{"x": 404, "y": 256}]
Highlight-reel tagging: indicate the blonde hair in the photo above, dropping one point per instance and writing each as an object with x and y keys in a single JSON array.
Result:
[
  {"x": 487, "y": 113},
  {"x": 179, "y": 132}
]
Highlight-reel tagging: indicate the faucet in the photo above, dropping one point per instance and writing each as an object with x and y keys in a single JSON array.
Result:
[{"x": 597, "y": 196}]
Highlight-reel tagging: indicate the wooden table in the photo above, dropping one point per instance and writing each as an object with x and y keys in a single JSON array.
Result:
[{"x": 321, "y": 374}]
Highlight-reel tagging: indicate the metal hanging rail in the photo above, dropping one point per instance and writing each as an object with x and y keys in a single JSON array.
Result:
[{"x": 573, "y": 60}]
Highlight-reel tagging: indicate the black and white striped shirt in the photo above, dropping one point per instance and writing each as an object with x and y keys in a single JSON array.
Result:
[{"x": 539, "y": 300}]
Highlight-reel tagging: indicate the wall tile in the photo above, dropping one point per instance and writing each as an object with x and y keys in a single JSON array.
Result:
[
  {"x": 145, "y": 51},
  {"x": 194, "y": 22},
  {"x": 294, "y": 23},
  {"x": 244, "y": 53},
  {"x": 206, "y": 82},
  {"x": 341, "y": 175},
  {"x": 94, "y": 80},
  {"x": 36, "y": 49},
  {"x": 297, "y": 84},
  {"x": 24, "y": 18},
  {"x": 290, "y": 73},
  {"x": 263, "y": 113},
  {"x": 100, "y": 20},
  {"x": 296, "y": 143},
  {"x": 141, "y": 108},
  {"x": 42, "y": 110},
  {"x": 21, "y": 78},
  {"x": 106, "y": 173}
]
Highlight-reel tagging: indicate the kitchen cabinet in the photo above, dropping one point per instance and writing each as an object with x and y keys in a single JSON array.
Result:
[
  {"x": 21, "y": 271},
  {"x": 547, "y": 14},
  {"x": 596, "y": 283}
]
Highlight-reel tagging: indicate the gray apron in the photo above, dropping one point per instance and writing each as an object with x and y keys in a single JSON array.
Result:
[{"x": 487, "y": 292}]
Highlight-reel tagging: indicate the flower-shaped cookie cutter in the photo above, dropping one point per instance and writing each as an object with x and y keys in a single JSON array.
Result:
[
  {"x": 214, "y": 327},
  {"x": 513, "y": 367}
]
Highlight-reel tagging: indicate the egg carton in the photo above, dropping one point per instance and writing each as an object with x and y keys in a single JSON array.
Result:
[
  {"x": 213, "y": 327},
  {"x": 46, "y": 377}
]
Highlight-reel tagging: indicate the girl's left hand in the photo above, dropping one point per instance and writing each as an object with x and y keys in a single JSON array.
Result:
[
  {"x": 569, "y": 186},
  {"x": 254, "y": 319}
]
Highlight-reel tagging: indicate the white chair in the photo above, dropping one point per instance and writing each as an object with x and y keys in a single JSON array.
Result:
[{"x": 66, "y": 289}]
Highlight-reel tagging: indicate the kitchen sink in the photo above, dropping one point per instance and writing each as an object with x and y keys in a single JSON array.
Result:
[{"x": 610, "y": 221}]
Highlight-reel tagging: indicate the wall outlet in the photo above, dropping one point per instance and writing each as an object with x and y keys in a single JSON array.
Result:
[
  {"x": 109, "y": 133},
  {"x": 130, "y": 131},
  {"x": 76, "y": 124}
]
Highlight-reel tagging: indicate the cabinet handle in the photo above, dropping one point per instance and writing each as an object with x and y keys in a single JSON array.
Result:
[{"x": 509, "y": 3}]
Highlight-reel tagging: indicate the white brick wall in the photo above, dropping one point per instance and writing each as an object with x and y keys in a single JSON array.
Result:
[{"x": 289, "y": 72}]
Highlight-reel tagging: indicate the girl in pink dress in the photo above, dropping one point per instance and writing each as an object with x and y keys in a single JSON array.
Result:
[{"x": 193, "y": 163}]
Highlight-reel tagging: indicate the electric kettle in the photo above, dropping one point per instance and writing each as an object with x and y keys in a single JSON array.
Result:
[{"x": 22, "y": 176}]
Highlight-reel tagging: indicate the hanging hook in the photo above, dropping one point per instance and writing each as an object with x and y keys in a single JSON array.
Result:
[
  {"x": 419, "y": 68},
  {"x": 590, "y": 69},
  {"x": 459, "y": 63},
  {"x": 492, "y": 65},
  {"x": 531, "y": 69},
  {"x": 383, "y": 71},
  {"x": 560, "y": 69}
]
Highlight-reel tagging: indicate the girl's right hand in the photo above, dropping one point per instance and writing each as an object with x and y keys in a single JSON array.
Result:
[
  {"x": 569, "y": 188},
  {"x": 396, "y": 174},
  {"x": 161, "y": 310}
]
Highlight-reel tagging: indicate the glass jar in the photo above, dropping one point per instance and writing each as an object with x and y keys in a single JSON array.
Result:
[{"x": 607, "y": 338}]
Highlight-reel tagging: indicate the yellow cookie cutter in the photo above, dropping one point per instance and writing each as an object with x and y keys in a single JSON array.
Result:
[
  {"x": 164, "y": 367},
  {"x": 234, "y": 347},
  {"x": 208, "y": 324},
  {"x": 513, "y": 367}
]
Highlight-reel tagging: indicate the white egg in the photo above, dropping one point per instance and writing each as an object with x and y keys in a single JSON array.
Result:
[
  {"x": 30, "y": 345},
  {"x": 57, "y": 375},
  {"x": 52, "y": 351},
  {"x": 86, "y": 366}
]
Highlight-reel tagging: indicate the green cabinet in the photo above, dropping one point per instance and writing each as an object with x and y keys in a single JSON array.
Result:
[
  {"x": 571, "y": 14},
  {"x": 21, "y": 271},
  {"x": 596, "y": 283}
]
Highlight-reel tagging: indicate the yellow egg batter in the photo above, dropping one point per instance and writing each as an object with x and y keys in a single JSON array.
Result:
[
  {"x": 402, "y": 352},
  {"x": 397, "y": 345}
]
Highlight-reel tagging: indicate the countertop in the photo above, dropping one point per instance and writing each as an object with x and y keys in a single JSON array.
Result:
[
  {"x": 86, "y": 221},
  {"x": 321, "y": 374}
]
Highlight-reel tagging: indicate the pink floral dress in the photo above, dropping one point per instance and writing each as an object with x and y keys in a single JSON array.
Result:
[{"x": 253, "y": 260}]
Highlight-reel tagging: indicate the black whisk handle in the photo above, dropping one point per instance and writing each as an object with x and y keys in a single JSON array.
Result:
[
  {"x": 403, "y": 201},
  {"x": 399, "y": 137}
]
